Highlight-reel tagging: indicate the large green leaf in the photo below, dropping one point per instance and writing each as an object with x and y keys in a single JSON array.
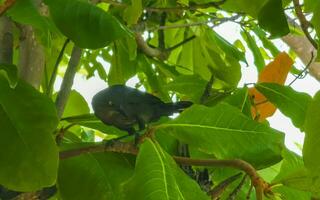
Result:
[
  {"x": 227, "y": 133},
  {"x": 265, "y": 41},
  {"x": 311, "y": 147},
  {"x": 94, "y": 176},
  {"x": 11, "y": 73},
  {"x": 291, "y": 103},
  {"x": 28, "y": 154},
  {"x": 86, "y": 25},
  {"x": 272, "y": 18},
  {"x": 157, "y": 176}
]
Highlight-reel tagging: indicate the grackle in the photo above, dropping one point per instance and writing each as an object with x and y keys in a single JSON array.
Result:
[{"x": 125, "y": 107}]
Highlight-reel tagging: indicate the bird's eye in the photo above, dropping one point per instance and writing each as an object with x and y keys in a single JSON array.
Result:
[{"x": 110, "y": 103}]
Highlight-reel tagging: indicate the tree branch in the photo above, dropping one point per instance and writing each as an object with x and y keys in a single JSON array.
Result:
[
  {"x": 303, "y": 22},
  {"x": 149, "y": 51},
  {"x": 260, "y": 185},
  {"x": 68, "y": 80},
  {"x": 6, "y": 5},
  {"x": 55, "y": 69},
  {"x": 6, "y": 40}
]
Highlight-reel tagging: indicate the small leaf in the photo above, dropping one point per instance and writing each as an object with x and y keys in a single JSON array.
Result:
[
  {"x": 272, "y": 18},
  {"x": 226, "y": 133},
  {"x": 76, "y": 105},
  {"x": 291, "y": 103},
  {"x": 240, "y": 99},
  {"x": 11, "y": 73},
  {"x": 133, "y": 12},
  {"x": 97, "y": 28},
  {"x": 122, "y": 68},
  {"x": 252, "y": 44},
  {"x": 28, "y": 152},
  {"x": 190, "y": 85},
  {"x": 157, "y": 176}
]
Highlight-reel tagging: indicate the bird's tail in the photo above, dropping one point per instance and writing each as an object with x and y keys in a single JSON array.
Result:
[{"x": 178, "y": 106}]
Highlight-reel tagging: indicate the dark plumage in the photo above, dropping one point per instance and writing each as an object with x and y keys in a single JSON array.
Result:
[{"x": 124, "y": 107}]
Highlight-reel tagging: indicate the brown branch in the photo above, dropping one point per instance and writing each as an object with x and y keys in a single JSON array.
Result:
[
  {"x": 149, "y": 51},
  {"x": 6, "y": 5},
  {"x": 260, "y": 185},
  {"x": 192, "y": 7},
  {"x": 304, "y": 23}
]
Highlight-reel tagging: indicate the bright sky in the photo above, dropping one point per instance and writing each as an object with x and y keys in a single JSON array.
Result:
[{"x": 231, "y": 32}]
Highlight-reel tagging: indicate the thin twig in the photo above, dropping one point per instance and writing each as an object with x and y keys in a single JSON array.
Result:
[
  {"x": 304, "y": 70},
  {"x": 234, "y": 193},
  {"x": 304, "y": 23},
  {"x": 220, "y": 188},
  {"x": 180, "y": 43},
  {"x": 67, "y": 82},
  {"x": 6, "y": 5},
  {"x": 55, "y": 69}
]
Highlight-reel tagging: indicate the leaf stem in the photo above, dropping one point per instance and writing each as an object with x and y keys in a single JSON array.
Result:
[{"x": 55, "y": 69}]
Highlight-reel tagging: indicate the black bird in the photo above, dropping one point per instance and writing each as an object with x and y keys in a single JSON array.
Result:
[{"x": 125, "y": 107}]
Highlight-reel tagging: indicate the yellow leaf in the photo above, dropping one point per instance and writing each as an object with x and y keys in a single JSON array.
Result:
[{"x": 275, "y": 72}]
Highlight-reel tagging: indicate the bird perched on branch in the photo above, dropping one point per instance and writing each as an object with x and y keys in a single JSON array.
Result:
[{"x": 125, "y": 107}]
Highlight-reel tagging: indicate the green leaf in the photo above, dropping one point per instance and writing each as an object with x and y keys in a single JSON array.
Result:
[
  {"x": 157, "y": 176},
  {"x": 265, "y": 41},
  {"x": 227, "y": 133},
  {"x": 98, "y": 125},
  {"x": 11, "y": 73},
  {"x": 94, "y": 176},
  {"x": 133, "y": 12},
  {"x": 76, "y": 105},
  {"x": 272, "y": 18},
  {"x": 122, "y": 68},
  {"x": 240, "y": 99},
  {"x": 291, "y": 103},
  {"x": 247, "y": 6},
  {"x": 97, "y": 28},
  {"x": 294, "y": 175},
  {"x": 228, "y": 48},
  {"x": 311, "y": 147},
  {"x": 28, "y": 152},
  {"x": 252, "y": 44},
  {"x": 190, "y": 85}
]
